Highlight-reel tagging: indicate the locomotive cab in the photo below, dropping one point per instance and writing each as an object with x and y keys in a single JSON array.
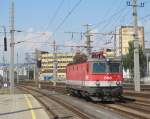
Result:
[{"x": 108, "y": 77}]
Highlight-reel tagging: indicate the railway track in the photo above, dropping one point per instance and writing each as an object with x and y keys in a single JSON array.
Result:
[
  {"x": 130, "y": 86},
  {"x": 126, "y": 86},
  {"x": 128, "y": 110},
  {"x": 101, "y": 114},
  {"x": 135, "y": 106},
  {"x": 56, "y": 108}
]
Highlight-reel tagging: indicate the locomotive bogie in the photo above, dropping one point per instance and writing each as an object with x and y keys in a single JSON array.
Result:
[{"x": 96, "y": 93}]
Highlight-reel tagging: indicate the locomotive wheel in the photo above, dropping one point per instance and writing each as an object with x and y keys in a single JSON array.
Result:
[{"x": 87, "y": 97}]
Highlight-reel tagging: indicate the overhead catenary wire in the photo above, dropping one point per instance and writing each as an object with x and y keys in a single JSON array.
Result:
[
  {"x": 144, "y": 17},
  {"x": 59, "y": 45},
  {"x": 119, "y": 12},
  {"x": 108, "y": 12},
  {"x": 67, "y": 16},
  {"x": 54, "y": 15},
  {"x": 59, "y": 26},
  {"x": 114, "y": 22},
  {"x": 146, "y": 1},
  {"x": 108, "y": 19},
  {"x": 121, "y": 19},
  {"x": 114, "y": 16}
]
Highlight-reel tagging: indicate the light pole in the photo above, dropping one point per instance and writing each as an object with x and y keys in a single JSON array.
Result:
[
  {"x": 12, "y": 46},
  {"x": 55, "y": 60},
  {"x": 12, "y": 31},
  {"x": 17, "y": 70},
  {"x": 136, "y": 45},
  {"x": 37, "y": 54}
]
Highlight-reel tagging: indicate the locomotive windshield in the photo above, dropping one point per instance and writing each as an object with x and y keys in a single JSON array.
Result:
[
  {"x": 114, "y": 67},
  {"x": 111, "y": 67},
  {"x": 99, "y": 67}
]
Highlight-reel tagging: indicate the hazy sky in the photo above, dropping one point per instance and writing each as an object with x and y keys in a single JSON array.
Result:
[{"x": 38, "y": 16}]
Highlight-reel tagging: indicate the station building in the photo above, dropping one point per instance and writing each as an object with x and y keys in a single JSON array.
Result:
[{"x": 47, "y": 59}]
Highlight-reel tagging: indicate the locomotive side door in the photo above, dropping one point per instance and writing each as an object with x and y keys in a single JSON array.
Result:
[{"x": 83, "y": 73}]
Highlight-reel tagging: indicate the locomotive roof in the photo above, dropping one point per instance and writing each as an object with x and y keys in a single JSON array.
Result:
[
  {"x": 117, "y": 59},
  {"x": 76, "y": 63},
  {"x": 105, "y": 59}
]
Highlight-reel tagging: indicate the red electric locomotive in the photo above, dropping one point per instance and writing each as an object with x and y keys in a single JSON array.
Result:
[{"x": 98, "y": 79}]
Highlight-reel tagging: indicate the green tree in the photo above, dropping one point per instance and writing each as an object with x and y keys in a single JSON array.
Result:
[{"x": 128, "y": 60}]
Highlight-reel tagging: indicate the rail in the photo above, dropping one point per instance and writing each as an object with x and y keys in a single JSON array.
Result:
[{"x": 64, "y": 104}]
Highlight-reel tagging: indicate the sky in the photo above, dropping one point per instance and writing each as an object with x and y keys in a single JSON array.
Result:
[{"x": 39, "y": 19}]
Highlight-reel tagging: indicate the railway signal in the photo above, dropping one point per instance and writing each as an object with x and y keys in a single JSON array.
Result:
[
  {"x": 5, "y": 38},
  {"x": 5, "y": 44}
]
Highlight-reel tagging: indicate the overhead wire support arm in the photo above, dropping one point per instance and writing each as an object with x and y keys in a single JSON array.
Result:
[
  {"x": 133, "y": 5},
  {"x": 72, "y": 34}
]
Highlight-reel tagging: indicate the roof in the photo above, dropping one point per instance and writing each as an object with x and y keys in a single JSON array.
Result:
[{"x": 105, "y": 58}]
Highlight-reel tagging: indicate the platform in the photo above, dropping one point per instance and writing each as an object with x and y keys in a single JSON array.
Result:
[{"x": 21, "y": 106}]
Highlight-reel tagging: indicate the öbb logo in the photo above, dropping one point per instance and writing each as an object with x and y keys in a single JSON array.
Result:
[{"x": 107, "y": 78}]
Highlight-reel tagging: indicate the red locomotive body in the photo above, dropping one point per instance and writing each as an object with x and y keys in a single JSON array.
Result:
[{"x": 96, "y": 79}]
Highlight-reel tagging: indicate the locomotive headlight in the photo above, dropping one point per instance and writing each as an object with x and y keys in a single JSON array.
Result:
[
  {"x": 97, "y": 83},
  {"x": 118, "y": 83},
  {"x": 107, "y": 60}
]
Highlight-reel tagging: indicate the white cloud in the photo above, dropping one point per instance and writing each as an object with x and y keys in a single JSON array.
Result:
[{"x": 33, "y": 40}]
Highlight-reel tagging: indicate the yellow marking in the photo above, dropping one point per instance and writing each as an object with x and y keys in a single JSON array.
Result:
[{"x": 30, "y": 106}]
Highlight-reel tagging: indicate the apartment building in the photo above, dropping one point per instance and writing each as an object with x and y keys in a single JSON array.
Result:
[
  {"x": 63, "y": 59},
  {"x": 124, "y": 34}
]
